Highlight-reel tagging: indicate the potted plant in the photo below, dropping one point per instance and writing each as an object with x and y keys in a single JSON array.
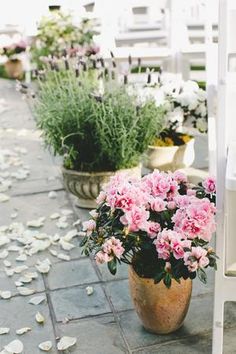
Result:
[
  {"x": 13, "y": 65},
  {"x": 58, "y": 34},
  {"x": 161, "y": 226},
  {"x": 97, "y": 126},
  {"x": 186, "y": 109}
]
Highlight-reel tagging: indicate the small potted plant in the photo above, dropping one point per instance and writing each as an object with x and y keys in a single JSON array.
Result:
[
  {"x": 13, "y": 65},
  {"x": 161, "y": 226},
  {"x": 186, "y": 109},
  {"x": 97, "y": 126},
  {"x": 58, "y": 34}
]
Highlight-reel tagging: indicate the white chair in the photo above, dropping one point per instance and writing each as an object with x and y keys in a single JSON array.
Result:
[{"x": 225, "y": 279}]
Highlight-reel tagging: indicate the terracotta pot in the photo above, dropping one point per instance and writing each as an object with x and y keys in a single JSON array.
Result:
[
  {"x": 169, "y": 158},
  {"x": 160, "y": 309},
  {"x": 87, "y": 186},
  {"x": 14, "y": 69}
]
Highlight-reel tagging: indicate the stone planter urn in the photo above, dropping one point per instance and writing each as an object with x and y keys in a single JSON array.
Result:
[
  {"x": 87, "y": 186},
  {"x": 14, "y": 68},
  {"x": 169, "y": 158},
  {"x": 161, "y": 310}
]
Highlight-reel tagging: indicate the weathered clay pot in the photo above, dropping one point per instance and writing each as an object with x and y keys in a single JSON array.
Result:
[
  {"x": 169, "y": 158},
  {"x": 87, "y": 186},
  {"x": 14, "y": 69},
  {"x": 160, "y": 309}
]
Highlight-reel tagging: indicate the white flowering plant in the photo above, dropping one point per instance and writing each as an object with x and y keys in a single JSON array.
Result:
[{"x": 185, "y": 106}]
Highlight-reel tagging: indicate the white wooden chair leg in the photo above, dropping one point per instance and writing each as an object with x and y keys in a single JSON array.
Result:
[{"x": 218, "y": 325}]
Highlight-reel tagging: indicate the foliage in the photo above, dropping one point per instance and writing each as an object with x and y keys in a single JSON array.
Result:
[
  {"x": 13, "y": 49},
  {"x": 161, "y": 225},
  {"x": 57, "y": 34},
  {"x": 95, "y": 124}
]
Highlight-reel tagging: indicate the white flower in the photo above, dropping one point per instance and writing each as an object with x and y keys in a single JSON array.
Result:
[{"x": 201, "y": 125}]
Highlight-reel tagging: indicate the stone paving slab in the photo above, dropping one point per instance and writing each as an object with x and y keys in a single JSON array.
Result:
[
  {"x": 74, "y": 303},
  {"x": 95, "y": 336},
  {"x": 17, "y": 313},
  {"x": 67, "y": 274},
  {"x": 118, "y": 292}
]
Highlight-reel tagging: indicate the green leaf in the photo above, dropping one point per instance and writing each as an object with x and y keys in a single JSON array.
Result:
[
  {"x": 167, "y": 280},
  {"x": 158, "y": 277},
  {"x": 83, "y": 241},
  {"x": 202, "y": 275},
  {"x": 112, "y": 266}
]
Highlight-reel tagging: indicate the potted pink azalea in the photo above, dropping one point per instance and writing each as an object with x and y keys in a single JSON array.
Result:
[{"x": 161, "y": 226}]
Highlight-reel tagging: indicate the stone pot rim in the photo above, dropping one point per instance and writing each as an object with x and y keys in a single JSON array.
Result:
[
  {"x": 101, "y": 173},
  {"x": 176, "y": 147}
]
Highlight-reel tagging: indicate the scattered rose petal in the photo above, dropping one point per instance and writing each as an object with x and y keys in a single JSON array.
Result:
[
  {"x": 66, "y": 342},
  {"x": 14, "y": 215},
  {"x": 5, "y": 294},
  {"x": 32, "y": 275},
  {"x": 66, "y": 245},
  {"x": 70, "y": 234},
  {"x": 21, "y": 258},
  {"x": 18, "y": 283},
  {"x": 55, "y": 216},
  {"x": 52, "y": 195},
  {"x": 4, "y": 330},
  {"x": 4, "y": 198},
  {"x": 25, "y": 291},
  {"x": 23, "y": 330},
  {"x": 45, "y": 346},
  {"x": 15, "y": 347},
  {"x": 3, "y": 254},
  {"x": 39, "y": 318},
  {"x": 77, "y": 222},
  {"x": 89, "y": 290},
  {"x": 7, "y": 263},
  {"x": 43, "y": 267},
  {"x": 20, "y": 269},
  {"x": 4, "y": 240},
  {"x": 37, "y": 300},
  {"x": 24, "y": 279},
  {"x": 67, "y": 212},
  {"x": 9, "y": 272},
  {"x": 63, "y": 256},
  {"x": 36, "y": 223},
  {"x": 53, "y": 253}
]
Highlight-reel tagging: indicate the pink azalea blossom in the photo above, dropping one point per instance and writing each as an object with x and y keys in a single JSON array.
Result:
[
  {"x": 152, "y": 228},
  {"x": 179, "y": 177},
  {"x": 196, "y": 258},
  {"x": 209, "y": 184},
  {"x": 102, "y": 257},
  {"x": 135, "y": 219},
  {"x": 89, "y": 226},
  {"x": 157, "y": 204}
]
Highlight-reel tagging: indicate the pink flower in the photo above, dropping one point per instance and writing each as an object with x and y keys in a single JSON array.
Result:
[
  {"x": 209, "y": 184},
  {"x": 113, "y": 246},
  {"x": 135, "y": 219},
  {"x": 195, "y": 259},
  {"x": 171, "y": 205},
  {"x": 177, "y": 249},
  {"x": 169, "y": 241},
  {"x": 101, "y": 197},
  {"x": 180, "y": 177},
  {"x": 152, "y": 228},
  {"x": 191, "y": 192},
  {"x": 157, "y": 204},
  {"x": 102, "y": 257},
  {"x": 94, "y": 213},
  {"x": 89, "y": 226}
]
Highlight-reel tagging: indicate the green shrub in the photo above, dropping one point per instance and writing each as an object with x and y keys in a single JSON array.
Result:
[{"x": 94, "y": 132}]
